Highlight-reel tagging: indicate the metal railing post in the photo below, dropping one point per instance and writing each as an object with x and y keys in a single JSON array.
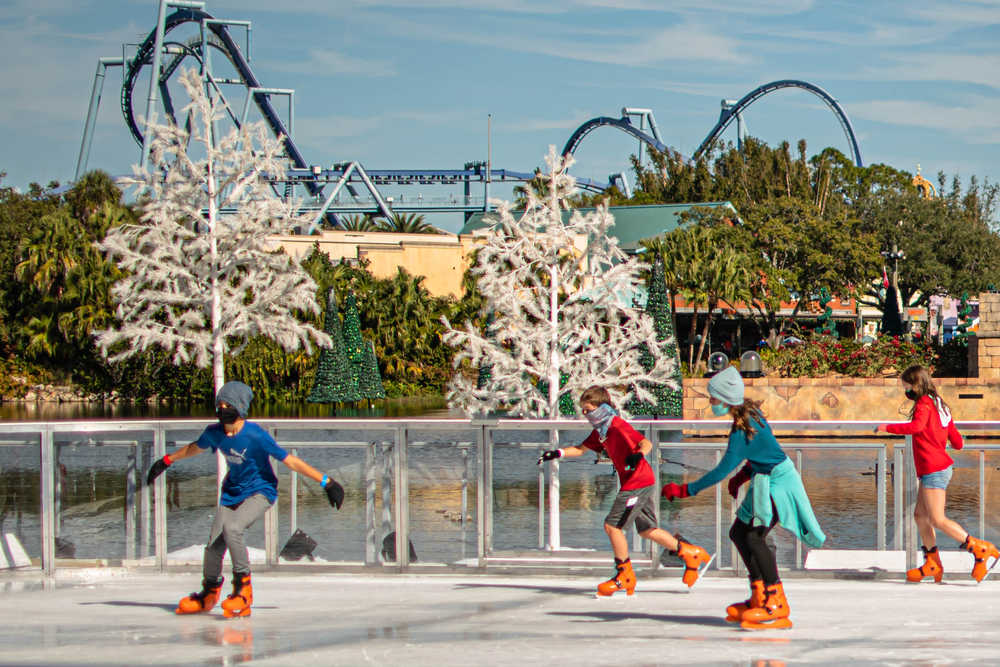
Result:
[
  {"x": 160, "y": 502},
  {"x": 733, "y": 511},
  {"x": 386, "y": 490},
  {"x": 654, "y": 548},
  {"x": 798, "y": 543},
  {"x": 402, "y": 500},
  {"x": 718, "y": 513},
  {"x": 541, "y": 501},
  {"x": 911, "y": 503},
  {"x": 47, "y": 487},
  {"x": 293, "y": 499},
  {"x": 982, "y": 494},
  {"x": 897, "y": 497},
  {"x": 145, "y": 524},
  {"x": 465, "y": 498},
  {"x": 555, "y": 531},
  {"x": 880, "y": 491},
  {"x": 371, "y": 527},
  {"x": 56, "y": 491},
  {"x": 484, "y": 482},
  {"x": 488, "y": 484},
  {"x": 130, "y": 502}
]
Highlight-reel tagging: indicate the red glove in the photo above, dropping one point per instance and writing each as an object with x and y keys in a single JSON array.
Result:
[
  {"x": 672, "y": 491},
  {"x": 739, "y": 479}
]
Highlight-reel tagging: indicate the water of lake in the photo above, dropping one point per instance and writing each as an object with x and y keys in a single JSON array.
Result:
[{"x": 839, "y": 483}]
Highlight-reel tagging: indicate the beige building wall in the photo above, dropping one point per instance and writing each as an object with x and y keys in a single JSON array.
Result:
[{"x": 440, "y": 258}]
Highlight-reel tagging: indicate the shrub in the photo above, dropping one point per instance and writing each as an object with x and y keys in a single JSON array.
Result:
[{"x": 818, "y": 357}]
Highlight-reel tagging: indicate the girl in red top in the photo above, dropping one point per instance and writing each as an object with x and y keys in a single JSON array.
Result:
[{"x": 932, "y": 429}]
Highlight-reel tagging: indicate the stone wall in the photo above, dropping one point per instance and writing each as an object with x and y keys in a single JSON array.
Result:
[
  {"x": 851, "y": 399},
  {"x": 984, "y": 347}
]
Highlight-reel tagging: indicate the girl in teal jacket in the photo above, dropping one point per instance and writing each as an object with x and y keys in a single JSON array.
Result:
[{"x": 776, "y": 496}]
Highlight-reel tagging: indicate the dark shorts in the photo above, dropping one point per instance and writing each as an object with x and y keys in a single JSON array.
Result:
[{"x": 633, "y": 507}]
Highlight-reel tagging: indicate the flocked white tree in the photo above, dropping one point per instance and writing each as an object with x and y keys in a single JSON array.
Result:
[
  {"x": 561, "y": 293},
  {"x": 198, "y": 281}
]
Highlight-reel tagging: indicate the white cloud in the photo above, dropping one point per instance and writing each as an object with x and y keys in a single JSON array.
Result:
[
  {"x": 334, "y": 63},
  {"x": 977, "y": 122},
  {"x": 977, "y": 68},
  {"x": 539, "y": 124}
]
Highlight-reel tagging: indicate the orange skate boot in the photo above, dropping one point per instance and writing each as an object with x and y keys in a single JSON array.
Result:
[
  {"x": 203, "y": 601},
  {"x": 772, "y": 614},
  {"x": 986, "y": 557},
  {"x": 624, "y": 580},
  {"x": 696, "y": 560},
  {"x": 734, "y": 612},
  {"x": 239, "y": 601},
  {"x": 931, "y": 568}
]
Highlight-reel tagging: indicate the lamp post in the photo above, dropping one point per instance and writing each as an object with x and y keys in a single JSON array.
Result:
[{"x": 895, "y": 255}]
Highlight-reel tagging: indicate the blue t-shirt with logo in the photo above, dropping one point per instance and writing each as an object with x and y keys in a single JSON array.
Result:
[{"x": 247, "y": 454}]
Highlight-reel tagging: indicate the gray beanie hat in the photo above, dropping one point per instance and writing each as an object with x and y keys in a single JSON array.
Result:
[
  {"x": 237, "y": 395},
  {"x": 727, "y": 386}
]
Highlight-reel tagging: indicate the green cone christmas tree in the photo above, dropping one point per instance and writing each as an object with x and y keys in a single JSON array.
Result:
[
  {"x": 669, "y": 402},
  {"x": 335, "y": 381},
  {"x": 364, "y": 367}
]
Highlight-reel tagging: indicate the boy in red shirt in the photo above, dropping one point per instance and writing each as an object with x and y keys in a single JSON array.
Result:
[{"x": 627, "y": 449}]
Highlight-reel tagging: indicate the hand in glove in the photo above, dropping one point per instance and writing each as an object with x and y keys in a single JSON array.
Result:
[
  {"x": 673, "y": 491},
  {"x": 334, "y": 492},
  {"x": 550, "y": 455},
  {"x": 739, "y": 479},
  {"x": 157, "y": 469},
  {"x": 633, "y": 460}
]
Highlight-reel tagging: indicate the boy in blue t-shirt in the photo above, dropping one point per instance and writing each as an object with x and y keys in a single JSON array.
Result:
[{"x": 248, "y": 491}]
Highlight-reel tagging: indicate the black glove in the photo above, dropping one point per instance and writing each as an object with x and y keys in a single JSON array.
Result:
[
  {"x": 334, "y": 493},
  {"x": 157, "y": 469},
  {"x": 550, "y": 455},
  {"x": 633, "y": 460}
]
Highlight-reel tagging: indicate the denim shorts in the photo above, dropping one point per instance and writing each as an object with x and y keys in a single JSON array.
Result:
[{"x": 937, "y": 480}]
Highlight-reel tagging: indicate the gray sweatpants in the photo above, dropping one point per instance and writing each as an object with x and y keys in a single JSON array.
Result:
[{"x": 227, "y": 533}]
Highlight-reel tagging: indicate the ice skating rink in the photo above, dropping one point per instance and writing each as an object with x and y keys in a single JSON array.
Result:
[{"x": 440, "y": 621}]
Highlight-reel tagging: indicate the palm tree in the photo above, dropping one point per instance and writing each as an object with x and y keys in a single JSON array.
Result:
[
  {"x": 725, "y": 277},
  {"x": 406, "y": 224},
  {"x": 359, "y": 223},
  {"x": 684, "y": 253}
]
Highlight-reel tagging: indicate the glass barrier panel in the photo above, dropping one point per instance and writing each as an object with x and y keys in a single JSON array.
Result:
[
  {"x": 94, "y": 505},
  {"x": 443, "y": 508},
  {"x": 20, "y": 501}
]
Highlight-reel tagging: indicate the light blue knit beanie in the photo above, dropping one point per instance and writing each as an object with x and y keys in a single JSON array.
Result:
[{"x": 727, "y": 386}]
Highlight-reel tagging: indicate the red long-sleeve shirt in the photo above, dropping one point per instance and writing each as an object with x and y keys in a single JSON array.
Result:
[{"x": 930, "y": 438}]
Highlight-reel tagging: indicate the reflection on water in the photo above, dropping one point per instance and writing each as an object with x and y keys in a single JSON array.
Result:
[
  {"x": 421, "y": 406},
  {"x": 93, "y": 488}
]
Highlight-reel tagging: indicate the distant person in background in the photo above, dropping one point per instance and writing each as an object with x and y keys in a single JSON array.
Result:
[
  {"x": 776, "y": 496},
  {"x": 932, "y": 428},
  {"x": 627, "y": 449},
  {"x": 248, "y": 491}
]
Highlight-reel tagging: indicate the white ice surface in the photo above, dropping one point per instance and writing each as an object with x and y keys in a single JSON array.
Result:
[{"x": 435, "y": 621}]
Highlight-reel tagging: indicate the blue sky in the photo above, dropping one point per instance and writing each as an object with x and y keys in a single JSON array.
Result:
[{"x": 409, "y": 83}]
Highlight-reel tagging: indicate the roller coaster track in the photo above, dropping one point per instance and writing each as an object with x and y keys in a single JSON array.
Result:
[
  {"x": 345, "y": 176},
  {"x": 729, "y": 115},
  {"x": 224, "y": 42}
]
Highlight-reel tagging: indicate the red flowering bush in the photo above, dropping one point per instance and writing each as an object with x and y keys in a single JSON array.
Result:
[{"x": 825, "y": 356}]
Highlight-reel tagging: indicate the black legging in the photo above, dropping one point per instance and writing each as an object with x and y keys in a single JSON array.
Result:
[{"x": 757, "y": 555}]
